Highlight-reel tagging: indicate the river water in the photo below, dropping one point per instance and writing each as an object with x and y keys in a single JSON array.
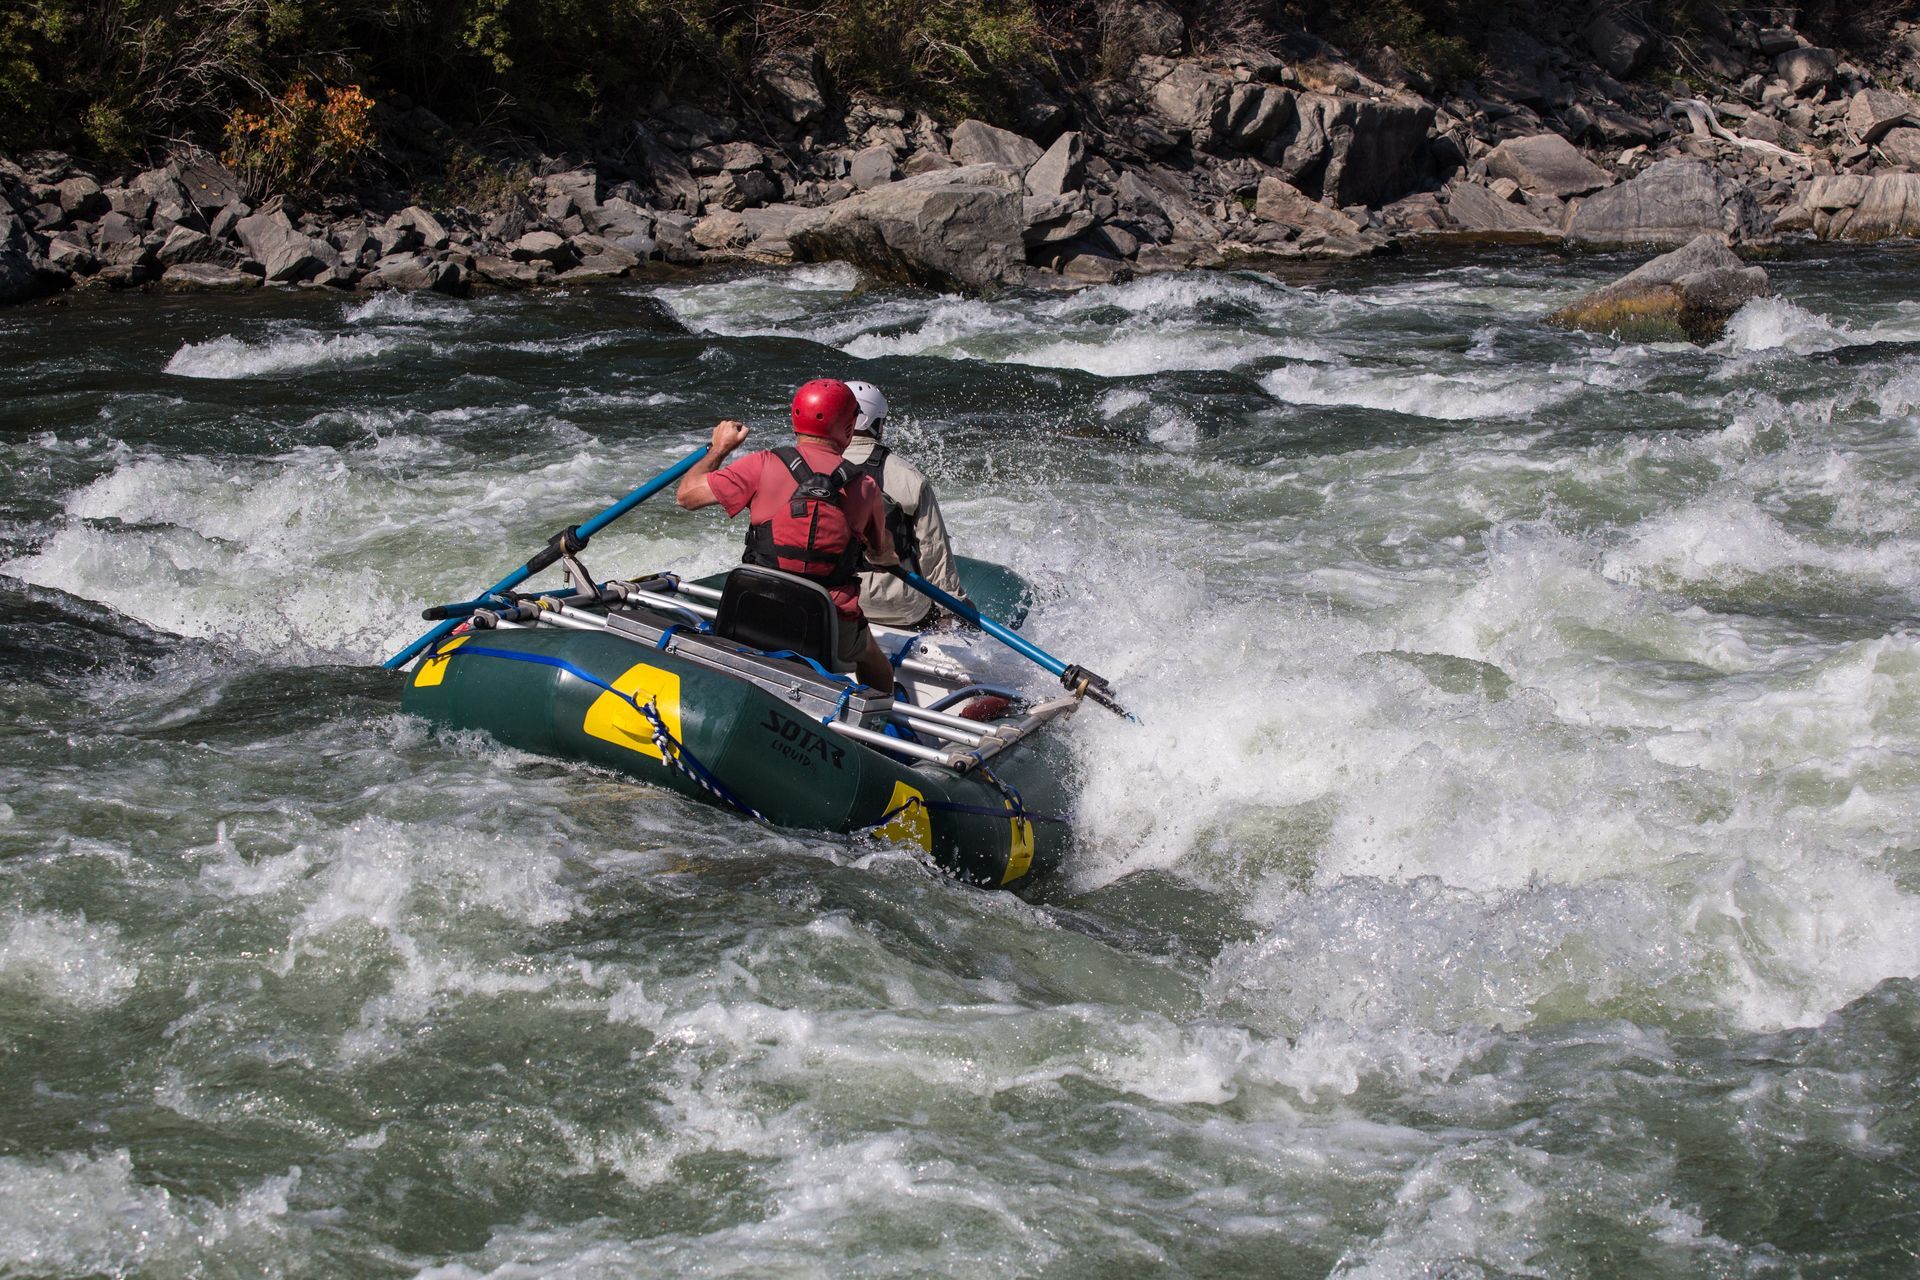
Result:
[{"x": 1515, "y": 872}]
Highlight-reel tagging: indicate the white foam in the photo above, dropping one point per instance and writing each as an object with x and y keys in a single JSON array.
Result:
[
  {"x": 1450, "y": 398},
  {"x": 75, "y": 1214},
  {"x": 232, "y": 358},
  {"x": 65, "y": 959}
]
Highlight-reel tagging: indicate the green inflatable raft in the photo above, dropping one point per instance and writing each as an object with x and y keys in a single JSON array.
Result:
[{"x": 723, "y": 690}]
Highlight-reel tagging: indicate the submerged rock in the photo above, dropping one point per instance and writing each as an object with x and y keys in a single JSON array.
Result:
[{"x": 1688, "y": 294}]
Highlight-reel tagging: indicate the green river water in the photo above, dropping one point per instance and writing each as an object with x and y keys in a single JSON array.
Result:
[{"x": 1517, "y": 871}]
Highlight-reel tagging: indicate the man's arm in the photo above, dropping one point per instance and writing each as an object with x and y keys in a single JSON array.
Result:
[
  {"x": 873, "y": 535},
  {"x": 694, "y": 491},
  {"x": 936, "y": 552}
]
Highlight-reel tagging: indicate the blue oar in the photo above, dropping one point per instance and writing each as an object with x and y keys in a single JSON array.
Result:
[
  {"x": 1079, "y": 679},
  {"x": 566, "y": 542}
]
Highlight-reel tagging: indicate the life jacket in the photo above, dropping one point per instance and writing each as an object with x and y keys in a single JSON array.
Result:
[
  {"x": 813, "y": 537},
  {"x": 899, "y": 524}
]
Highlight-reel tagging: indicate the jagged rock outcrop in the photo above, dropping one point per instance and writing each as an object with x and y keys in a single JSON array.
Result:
[
  {"x": 1687, "y": 294},
  {"x": 1858, "y": 207},
  {"x": 957, "y": 230},
  {"x": 1669, "y": 204}
]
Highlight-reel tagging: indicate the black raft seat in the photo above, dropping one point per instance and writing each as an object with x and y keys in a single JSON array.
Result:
[{"x": 771, "y": 610}]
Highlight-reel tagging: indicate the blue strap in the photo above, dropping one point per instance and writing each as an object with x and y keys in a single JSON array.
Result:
[
  {"x": 905, "y": 649},
  {"x": 545, "y": 661},
  {"x": 846, "y": 696},
  {"x": 834, "y": 676}
]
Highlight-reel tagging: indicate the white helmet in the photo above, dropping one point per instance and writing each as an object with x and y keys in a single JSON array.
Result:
[{"x": 873, "y": 408}]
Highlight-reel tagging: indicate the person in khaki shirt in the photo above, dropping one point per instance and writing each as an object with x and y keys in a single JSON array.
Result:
[{"x": 913, "y": 518}]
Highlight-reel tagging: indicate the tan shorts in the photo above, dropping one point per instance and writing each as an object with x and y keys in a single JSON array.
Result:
[{"x": 854, "y": 637}]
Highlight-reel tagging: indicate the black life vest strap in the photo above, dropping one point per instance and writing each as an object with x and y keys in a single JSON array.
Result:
[{"x": 839, "y": 568}]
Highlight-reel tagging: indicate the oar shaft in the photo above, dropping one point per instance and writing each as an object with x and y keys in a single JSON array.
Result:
[
  {"x": 1077, "y": 678},
  {"x": 551, "y": 552},
  {"x": 1012, "y": 639}
]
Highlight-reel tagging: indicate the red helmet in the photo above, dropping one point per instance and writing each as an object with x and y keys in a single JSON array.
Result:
[{"x": 825, "y": 407}]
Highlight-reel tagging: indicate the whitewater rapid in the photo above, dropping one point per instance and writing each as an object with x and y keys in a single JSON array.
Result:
[{"x": 1514, "y": 863}]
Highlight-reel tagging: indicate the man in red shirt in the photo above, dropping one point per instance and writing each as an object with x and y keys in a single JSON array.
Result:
[{"x": 807, "y": 516}]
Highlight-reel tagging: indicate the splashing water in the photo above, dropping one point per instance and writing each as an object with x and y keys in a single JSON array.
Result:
[{"x": 1513, "y": 869}]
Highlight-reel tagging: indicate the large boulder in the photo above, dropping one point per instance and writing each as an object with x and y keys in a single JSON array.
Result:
[
  {"x": 1355, "y": 150},
  {"x": 1280, "y": 201},
  {"x": 1472, "y": 212},
  {"x": 1546, "y": 164},
  {"x": 19, "y": 273},
  {"x": 1618, "y": 47},
  {"x": 1061, "y": 170},
  {"x": 1874, "y": 113},
  {"x": 1858, "y": 207},
  {"x": 977, "y": 142},
  {"x": 1669, "y": 204},
  {"x": 1807, "y": 71},
  {"x": 792, "y": 81},
  {"x": 1687, "y": 294},
  {"x": 950, "y": 235},
  {"x": 287, "y": 254},
  {"x": 1193, "y": 98}
]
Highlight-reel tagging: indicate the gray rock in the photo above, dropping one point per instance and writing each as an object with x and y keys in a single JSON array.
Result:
[
  {"x": 544, "y": 246},
  {"x": 726, "y": 157},
  {"x": 952, "y": 236},
  {"x": 1671, "y": 203},
  {"x": 1858, "y": 206},
  {"x": 1619, "y": 48},
  {"x": 1355, "y": 150},
  {"x": 723, "y": 230},
  {"x": 224, "y": 220},
  {"x": 581, "y": 187},
  {"x": 287, "y": 255},
  {"x": 1546, "y": 164},
  {"x": 1061, "y": 169},
  {"x": 208, "y": 184},
  {"x": 1049, "y": 219},
  {"x": 1281, "y": 202},
  {"x": 1806, "y": 71},
  {"x": 1874, "y": 113},
  {"x": 68, "y": 252},
  {"x": 872, "y": 167},
  {"x": 133, "y": 202},
  {"x": 977, "y": 142},
  {"x": 207, "y": 277},
  {"x": 615, "y": 218},
  {"x": 394, "y": 237},
  {"x": 1193, "y": 98},
  {"x": 1774, "y": 41},
  {"x": 505, "y": 273},
  {"x": 672, "y": 182},
  {"x": 1480, "y": 213},
  {"x": 1901, "y": 147},
  {"x": 1688, "y": 293},
  {"x": 1256, "y": 113},
  {"x": 674, "y": 234},
  {"x": 433, "y": 236},
  {"x": 184, "y": 245},
  {"x": 738, "y": 191},
  {"x": 793, "y": 83},
  {"x": 81, "y": 200},
  {"x": 116, "y": 228}
]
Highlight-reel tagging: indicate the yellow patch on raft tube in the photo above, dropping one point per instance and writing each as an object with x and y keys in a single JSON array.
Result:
[
  {"x": 1020, "y": 856},
  {"x": 613, "y": 719},
  {"x": 913, "y": 824},
  {"x": 434, "y": 670}
]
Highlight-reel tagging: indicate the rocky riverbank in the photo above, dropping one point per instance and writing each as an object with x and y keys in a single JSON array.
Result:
[{"x": 1181, "y": 161}]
